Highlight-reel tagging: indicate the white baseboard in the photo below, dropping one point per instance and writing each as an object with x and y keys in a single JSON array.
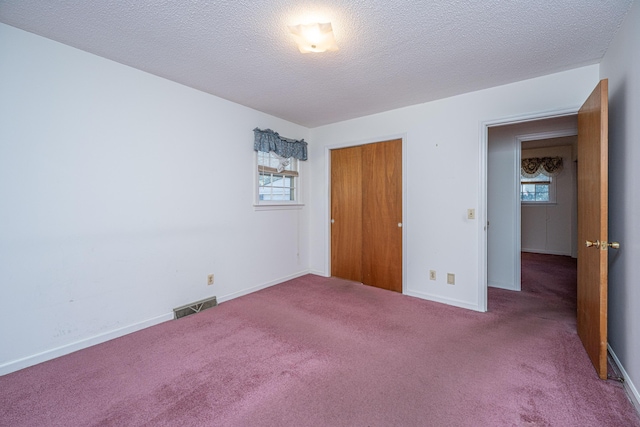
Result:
[
  {"x": 502, "y": 285},
  {"x": 25, "y": 362},
  {"x": 262, "y": 286},
  {"x": 319, "y": 273},
  {"x": 448, "y": 301},
  {"x": 631, "y": 389}
]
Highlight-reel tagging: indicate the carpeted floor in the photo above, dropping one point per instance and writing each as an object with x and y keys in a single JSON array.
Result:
[{"x": 326, "y": 352}]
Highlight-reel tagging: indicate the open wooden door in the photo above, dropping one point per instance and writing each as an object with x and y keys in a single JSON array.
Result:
[{"x": 592, "y": 226}]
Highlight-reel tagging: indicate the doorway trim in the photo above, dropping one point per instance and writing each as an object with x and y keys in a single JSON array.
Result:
[
  {"x": 327, "y": 212},
  {"x": 483, "y": 190}
]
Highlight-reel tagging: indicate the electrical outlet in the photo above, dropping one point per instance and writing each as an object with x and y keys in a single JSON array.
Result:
[
  {"x": 432, "y": 275},
  {"x": 210, "y": 279},
  {"x": 451, "y": 279},
  {"x": 471, "y": 214}
]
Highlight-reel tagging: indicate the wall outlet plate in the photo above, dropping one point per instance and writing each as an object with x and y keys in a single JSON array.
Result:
[{"x": 210, "y": 279}]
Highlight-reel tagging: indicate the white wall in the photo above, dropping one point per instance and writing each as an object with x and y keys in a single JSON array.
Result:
[
  {"x": 444, "y": 177},
  {"x": 621, "y": 65},
  {"x": 549, "y": 228},
  {"x": 119, "y": 192}
]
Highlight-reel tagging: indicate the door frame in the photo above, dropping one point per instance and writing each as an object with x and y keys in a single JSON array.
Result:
[
  {"x": 327, "y": 212},
  {"x": 483, "y": 190}
]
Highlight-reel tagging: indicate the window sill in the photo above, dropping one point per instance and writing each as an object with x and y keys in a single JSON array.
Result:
[
  {"x": 538, "y": 203},
  {"x": 277, "y": 206}
]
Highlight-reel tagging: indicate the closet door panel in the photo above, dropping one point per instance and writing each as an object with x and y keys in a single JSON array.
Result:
[
  {"x": 346, "y": 213},
  {"x": 382, "y": 215}
]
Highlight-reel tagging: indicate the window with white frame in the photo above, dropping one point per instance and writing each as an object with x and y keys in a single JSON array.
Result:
[
  {"x": 277, "y": 160},
  {"x": 540, "y": 189},
  {"x": 277, "y": 178},
  {"x": 537, "y": 183}
]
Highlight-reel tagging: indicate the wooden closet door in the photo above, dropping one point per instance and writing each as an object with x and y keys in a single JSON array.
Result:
[
  {"x": 346, "y": 213},
  {"x": 382, "y": 215},
  {"x": 366, "y": 211}
]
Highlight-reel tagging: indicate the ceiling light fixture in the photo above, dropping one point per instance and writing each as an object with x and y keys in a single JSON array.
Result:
[{"x": 314, "y": 37}]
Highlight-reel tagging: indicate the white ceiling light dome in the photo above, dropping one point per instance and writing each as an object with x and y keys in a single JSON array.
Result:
[{"x": 316, "y": 37}]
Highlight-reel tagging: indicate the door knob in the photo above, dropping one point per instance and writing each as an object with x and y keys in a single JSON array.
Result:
[
  {"x": 400, "y": 224},
  {"x": 595, "y": 244},
  {"x": 332, "y": 220},
  {"x": 603, "y": 245}
]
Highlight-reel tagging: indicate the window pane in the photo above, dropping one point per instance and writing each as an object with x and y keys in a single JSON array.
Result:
[
  {"x": 276, "y": 181},
  {"x": 542, "y": 188},
  {"x": 534, "y": 192},
  {"x": 272, "y": 161},
  {"x": 274, "y": 187},
  {"x": 528, "y": 192},
  {"x": 279, "y": 188}
]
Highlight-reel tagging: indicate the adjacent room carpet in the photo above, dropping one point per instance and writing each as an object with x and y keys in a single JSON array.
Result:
[{"x": 320, "y": 351}]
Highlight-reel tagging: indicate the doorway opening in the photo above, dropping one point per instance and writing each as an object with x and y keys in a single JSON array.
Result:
[
  {"x": 499, "y": 163},
  {"x": 515, "y": 222}
]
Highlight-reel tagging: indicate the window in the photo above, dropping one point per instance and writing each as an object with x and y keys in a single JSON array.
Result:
[
  {"x": 277, "y": 179},
  {"x": 540, "y": 189},
  {"x": 277, "y": 160}
]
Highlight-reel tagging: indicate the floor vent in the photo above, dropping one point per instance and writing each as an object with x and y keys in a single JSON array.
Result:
[{"x": 194, "y": 307}]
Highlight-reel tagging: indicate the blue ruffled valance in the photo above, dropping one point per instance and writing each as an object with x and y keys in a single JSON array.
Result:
[{"x": 268, "y": 140}]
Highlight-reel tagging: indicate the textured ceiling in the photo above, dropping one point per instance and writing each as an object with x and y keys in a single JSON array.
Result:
[{"x": 392, "y": 53}]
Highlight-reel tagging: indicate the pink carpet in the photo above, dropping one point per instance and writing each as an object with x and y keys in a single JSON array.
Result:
[{"x": 327, "y": 352}]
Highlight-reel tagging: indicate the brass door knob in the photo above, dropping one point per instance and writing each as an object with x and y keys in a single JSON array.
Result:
[
  {"x": 602, "y": 245},
  {"x": 595, "y": 244}
]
